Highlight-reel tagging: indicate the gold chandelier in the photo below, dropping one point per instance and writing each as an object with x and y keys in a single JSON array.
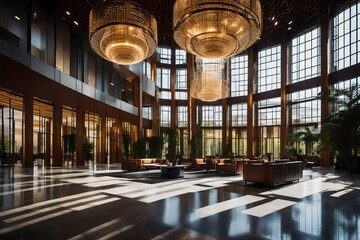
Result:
[
  {"x": 210, "y": 81},
  {"x": 216, "y": 28},
  {"x": 122, "y": 32}
]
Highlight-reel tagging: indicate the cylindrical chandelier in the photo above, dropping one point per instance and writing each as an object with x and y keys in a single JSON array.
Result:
[
  {"x": 122, "y": 32},
  {"x": 216, "y": 28},
  {"x": 210, "y": 81}
]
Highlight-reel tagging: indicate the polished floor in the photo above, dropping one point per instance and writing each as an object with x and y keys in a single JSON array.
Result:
[{"x": 72, "y": 203}]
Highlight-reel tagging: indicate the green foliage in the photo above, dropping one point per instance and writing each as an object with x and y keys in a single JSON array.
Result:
[
  {"x": 295, "y": 138},
  {"x": 88, "y": 151},
  {"x": 139, "y": 149},
  {"x": 155, "y": 147},
  {"x": 340, "y": 130},
  {"x": 195, "y": 142},
  {"x": 126, "y": 144},
  {"x": 69, "y": 141},
  {"x": 171, "y": 139}
]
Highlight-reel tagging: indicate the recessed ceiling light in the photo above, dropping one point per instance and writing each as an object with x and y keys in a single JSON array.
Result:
[
  {"x": 17, "y": 18},
  {"x": 289, "y": 28},
  {"x": 76, "y": 23},
  {"x": 112, "y": 84},
  {"x": 290, "y": 22},
  {"x": 273, "y": 18},
  {"x": 276, "y": 23},
  {"x": 67, "y": 13}
]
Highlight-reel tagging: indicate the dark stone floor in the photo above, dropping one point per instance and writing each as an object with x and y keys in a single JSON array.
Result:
[{"x": 79, "y": 203}]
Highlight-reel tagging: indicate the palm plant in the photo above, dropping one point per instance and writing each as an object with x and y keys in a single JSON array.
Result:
[
  {"x": 293, "y": 146},
  {"x": 340, "y": 130},
  {"x": 309, "y": 138}
]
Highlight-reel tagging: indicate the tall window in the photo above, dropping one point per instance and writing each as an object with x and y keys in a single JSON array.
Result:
[
  {"x": 182, "y": 116},
  {"x": 212, "y": 139},
  {"x": 269, "y": 122},
  {"x": 305, "y": 56},
  {"x": 165, "y": 55},
  {"x": 239, "y": 76},
  {"x": 181, "y": 84},
  {"x": 147, "y": 69},
  {"x": 345, "y": 85},
  {"x": 305, "y": 108},
  {"x": 180, "y": 56},
  {"x": 165, "y": 117},
  {"x": 211, "y": 116},
  {"x": 347, "y": 37},
  {"x": 239, "y": 129},
  {"x": 163, "y": 81},
  {"x": 269, "y": 69}
]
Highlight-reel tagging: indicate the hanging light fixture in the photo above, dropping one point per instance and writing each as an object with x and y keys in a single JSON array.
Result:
[
  {"x": 210, "y": 81},
  {"x": 122, "y": 32},
  {"x": 216, "y": 28}
]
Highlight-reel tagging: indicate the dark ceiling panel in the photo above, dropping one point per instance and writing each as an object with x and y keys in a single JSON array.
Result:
[{"x": 283, "y": 11}]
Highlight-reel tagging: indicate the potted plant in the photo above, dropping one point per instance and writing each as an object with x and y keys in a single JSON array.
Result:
[
  {"x": 155, "y": 146},
  {"x": 340, "y": 130},
  {"x": 88, "y": 151},
  {"x": 171, "y": 138}
]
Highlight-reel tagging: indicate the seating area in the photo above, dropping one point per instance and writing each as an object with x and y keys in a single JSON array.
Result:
[
  {"x": 142, "y": 164},
  {"x": 234, "y": 166},
  {"x": 273, "y": 173}
]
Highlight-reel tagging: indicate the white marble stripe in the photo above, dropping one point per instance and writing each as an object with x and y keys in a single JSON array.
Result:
[
  {"x": 89, "y": 179},
  {"x": 339, "y": 194},
  {"x": 307, "y": 188},
  {"x": 268, "y": 208},
  {"x": 154, "y": 189},
  {"x": 117, "y": 232},
  {"x": 22, "y": 184},
  {"x": 121, "y": 190},
  {"x": 44, "y": 203},
  {"x": 94, "y": 229},
  {"x": 52, "y": 208},
  {"x": 104, "y": 183},
  {"x": 33, "y": 188},
  {"x": 226, "y": 205},
  {"x": 53, "y": 215},
  {"x": 70, "y": 175},
  {"x": 94, "y": 204},
  {"x": 33, "y": 221},
  {"x": 158, "y": 197}
]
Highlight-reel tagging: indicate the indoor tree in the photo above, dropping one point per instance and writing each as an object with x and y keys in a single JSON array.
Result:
[{"x": 340, "y": 130}]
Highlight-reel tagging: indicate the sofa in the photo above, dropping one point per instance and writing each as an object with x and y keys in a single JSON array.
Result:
[
  {"x": 234, "y": 166},
  {"x": 273, "y": 173},
  {"x": 199, "y": 164},
  {"x": 142, "y": 163}
]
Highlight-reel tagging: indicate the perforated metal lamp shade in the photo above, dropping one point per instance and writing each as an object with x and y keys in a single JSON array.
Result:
[
  {"x": 122, "y": 32},
  {"x": 210, "y": 81},
  {"x": 216, "y": 28}
]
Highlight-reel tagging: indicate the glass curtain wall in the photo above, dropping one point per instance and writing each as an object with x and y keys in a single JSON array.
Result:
[
  {"x": 269, "y": 69},
  {"x": 92, "y": 134},
  {"x": 239, "y": 129},
  {"x": 69, "y": 136},
  {"x": 269, "y": 127},
  {"x": 211, "y": 130},
  {"x": 42, "y": 133},
  {"x": 112, "y": 141},
  {"x": 11, "y": 128}
]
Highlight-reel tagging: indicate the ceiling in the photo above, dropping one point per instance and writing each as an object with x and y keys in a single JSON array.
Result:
[{"x": 283, "y": 12}]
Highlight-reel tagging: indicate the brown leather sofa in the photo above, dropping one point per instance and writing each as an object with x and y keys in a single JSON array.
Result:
[
  {"x": 130, "y": 165},
  {"x": 142, "y": 163},
  {"x": 273, "y": 173},
  {"x": 199, "y": 164},
  {"x": 235, "y": 166}
]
